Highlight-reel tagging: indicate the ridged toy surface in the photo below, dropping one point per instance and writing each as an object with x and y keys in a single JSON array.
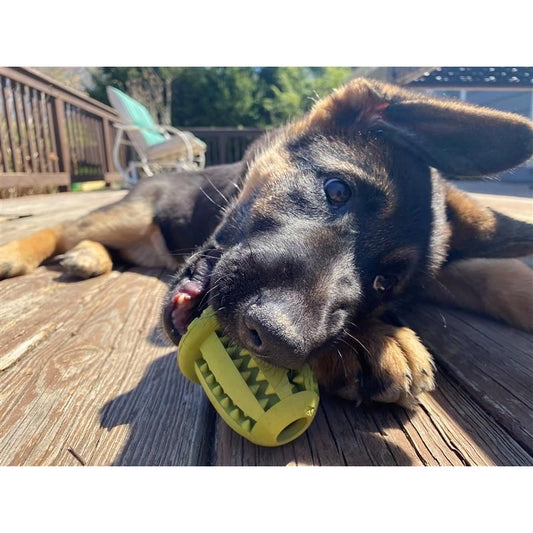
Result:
[{"x": 267, "y": 405}]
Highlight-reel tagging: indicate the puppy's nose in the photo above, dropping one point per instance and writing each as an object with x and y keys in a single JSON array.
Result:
[{"x": 268, "y": 330}]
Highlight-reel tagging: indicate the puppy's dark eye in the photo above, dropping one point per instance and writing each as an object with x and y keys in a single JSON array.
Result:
[{"x": 337, "y": 191}]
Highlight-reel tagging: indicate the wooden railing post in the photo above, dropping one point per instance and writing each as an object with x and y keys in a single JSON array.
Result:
[
  {"x": 222, "y": 149},
  {"x": 44, "y": 124},
  {"x": 108, "y": 144},
  {"x": 60, "y": 126}
]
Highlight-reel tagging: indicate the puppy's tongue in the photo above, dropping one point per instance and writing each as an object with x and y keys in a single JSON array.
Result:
[{"x": 183, "y": 303}]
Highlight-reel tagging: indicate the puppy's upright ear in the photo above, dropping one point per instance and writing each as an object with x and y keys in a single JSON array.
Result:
[{"x": 457, "y": 138}]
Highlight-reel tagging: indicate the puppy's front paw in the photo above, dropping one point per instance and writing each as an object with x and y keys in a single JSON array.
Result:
[
  {"x": 399, "y": 366},
  {"x": 383, "y": 363},
  {"x": 87, "y": 259}
]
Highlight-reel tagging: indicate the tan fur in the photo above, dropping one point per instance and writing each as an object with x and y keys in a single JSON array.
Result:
[
  {"x": 23, "y": 256},
  {"x": 398, "y": 358},
  {"x": 470, "y": 221},
  {"x": 150, "y": 251},
  {"x": 502, "y": 288},
  {"x": 117, "y": 227},
  {"x": 87, "y": 259},
  {"x": 268, "y": 167},
  {"x": 395, "y": 358},
  {"x": 125, "y": 226},
  {"x": 356, "y": 97}
]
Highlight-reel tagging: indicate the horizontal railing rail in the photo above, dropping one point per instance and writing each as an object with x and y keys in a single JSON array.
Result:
[
  {"x": 226, "y": 145},
  {"x": 51, "y": 134}
]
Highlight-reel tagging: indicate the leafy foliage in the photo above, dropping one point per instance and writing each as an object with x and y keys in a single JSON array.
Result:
[{"x": 223, "y": 96}]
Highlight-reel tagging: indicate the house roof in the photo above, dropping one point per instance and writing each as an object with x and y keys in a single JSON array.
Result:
[{"x": 498, "y": 77}]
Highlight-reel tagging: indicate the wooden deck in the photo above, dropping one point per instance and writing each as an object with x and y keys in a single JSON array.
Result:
[{"x": 87, "y": 378}]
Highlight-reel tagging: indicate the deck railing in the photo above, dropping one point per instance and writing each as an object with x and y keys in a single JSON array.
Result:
[
  {"x": 226, "y": 145},
  {"x": 51, "y": 134}
]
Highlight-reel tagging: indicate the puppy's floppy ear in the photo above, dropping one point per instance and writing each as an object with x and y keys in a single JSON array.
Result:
[{"x": 454, "y": 137}]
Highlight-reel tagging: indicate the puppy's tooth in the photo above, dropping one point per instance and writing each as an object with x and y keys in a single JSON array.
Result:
[{"x": 181, "y": 298}]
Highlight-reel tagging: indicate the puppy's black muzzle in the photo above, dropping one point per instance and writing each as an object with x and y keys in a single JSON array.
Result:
[
  {"x": 268, "y": 329},
  {"x": 285, "y": 299}
]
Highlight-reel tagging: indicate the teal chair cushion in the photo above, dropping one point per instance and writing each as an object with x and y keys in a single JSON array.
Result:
[{"x": 140, "y": 116}]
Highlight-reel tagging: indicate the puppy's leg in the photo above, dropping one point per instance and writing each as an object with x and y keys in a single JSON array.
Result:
[
  {"x": 501, "y": 288},
  {"x": 23, "y": 256},
  {"x": 384, "y": 364},
  {"x": 117, "y": 226}
]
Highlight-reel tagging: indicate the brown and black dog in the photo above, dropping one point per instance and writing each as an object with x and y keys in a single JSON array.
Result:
[{"x": 328, "y": 224}]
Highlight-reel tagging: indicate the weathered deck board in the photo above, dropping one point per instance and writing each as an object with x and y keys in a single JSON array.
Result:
[
  {"x": 21, "y": 216},
  {"x": 89, "y": 379},
  {"x": 86, "y": 386},
  {"x": 449, "y": 428},
  {"x": 492, "y": 362}
]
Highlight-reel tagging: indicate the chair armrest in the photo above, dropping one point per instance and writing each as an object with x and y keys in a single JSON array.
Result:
[
  {"x": 133, "y": 127},
  {"x": 167, "y": 131}
]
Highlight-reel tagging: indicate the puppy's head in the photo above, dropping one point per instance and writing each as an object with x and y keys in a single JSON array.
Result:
[{"x": 339, "y": 214}]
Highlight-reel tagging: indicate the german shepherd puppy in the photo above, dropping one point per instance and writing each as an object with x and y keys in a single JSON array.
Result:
[{"x": 305, "y": 246}]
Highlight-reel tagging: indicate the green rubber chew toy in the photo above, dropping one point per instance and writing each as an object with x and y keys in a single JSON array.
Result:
[{"x": 267, "y": 405}]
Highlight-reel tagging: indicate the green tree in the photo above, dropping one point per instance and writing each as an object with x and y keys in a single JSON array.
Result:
[
  {"x": 114, "y": 76},
  {"x": 222, "y": 96},
  {"x": 216, "y": 96},
  {"x": 149, "y": 85},
  {"x": 295, "y": 89}
]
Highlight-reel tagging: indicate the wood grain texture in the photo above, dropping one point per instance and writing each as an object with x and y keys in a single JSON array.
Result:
[
  {"x": 448, "y": 429},
  {"x": 87, "y": 378},
  {"x": 102, "y": 382},
  {"x": 21, "y": 216},
  {"x": 491, "y": 361}
]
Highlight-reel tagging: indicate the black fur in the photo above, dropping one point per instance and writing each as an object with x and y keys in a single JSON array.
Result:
[{"x": 288, "y": 271}]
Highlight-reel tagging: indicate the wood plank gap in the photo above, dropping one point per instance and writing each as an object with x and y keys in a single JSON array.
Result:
[
  {"x": 411, "y": 441},
  {"x": 451, "y": 445}
]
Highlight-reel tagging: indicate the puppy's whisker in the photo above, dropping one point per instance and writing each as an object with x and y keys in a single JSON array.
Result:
[
  {"x": 346, "y": 343},
  {"x": 349, "y": 323},
  {"x": 342, "y": 362},
  {"x": 211, "y": 199},
  {"x": 357, "y": 341},
  {"x": 217, "y": 189}
]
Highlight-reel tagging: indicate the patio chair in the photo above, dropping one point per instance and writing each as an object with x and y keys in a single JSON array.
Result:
[{"x": 157, "y": 147}]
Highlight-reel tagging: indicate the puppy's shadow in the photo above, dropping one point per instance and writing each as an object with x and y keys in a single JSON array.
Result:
[
  {"x": 171, "y": 423},
  {"x": 170, "y": 419}
]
